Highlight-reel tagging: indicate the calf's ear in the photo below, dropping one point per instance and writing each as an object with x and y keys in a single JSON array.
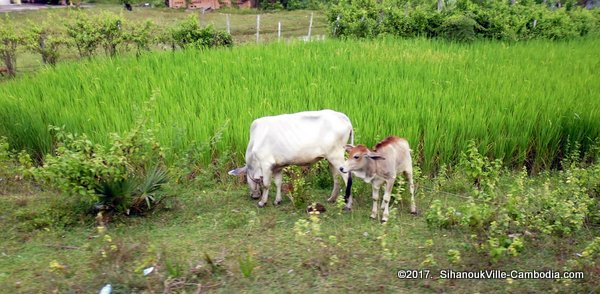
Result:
[
  {"x": 238, "y": 171},
  {"x": 374, "y": 156},
  {"x": 348, "y": 147}
]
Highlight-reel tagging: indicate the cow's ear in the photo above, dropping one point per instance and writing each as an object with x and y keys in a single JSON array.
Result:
[
  {"x": 238, "y": 171},
  {"x": 374, "y": 156},
  {"x": 348, "y": 147}
]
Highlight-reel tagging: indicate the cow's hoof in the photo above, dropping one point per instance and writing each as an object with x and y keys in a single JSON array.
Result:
[
  {"x": 255, "y": 197},
  {"x": 372, "y": 217},
  {"x": 383, "y": 221},
  {"x": 413, "y": 212},
  {"x": 347, "y": 209},
  {"x": 331, "y": 200},
  {"x": 277, "y": 202},
  {"x": 260, "y": 205}
]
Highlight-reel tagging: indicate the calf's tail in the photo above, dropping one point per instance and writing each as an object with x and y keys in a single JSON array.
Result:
[{"x": 349, "y": 183}]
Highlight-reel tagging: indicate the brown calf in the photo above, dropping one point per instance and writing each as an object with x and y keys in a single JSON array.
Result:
[{"x": 381, "y": 165}]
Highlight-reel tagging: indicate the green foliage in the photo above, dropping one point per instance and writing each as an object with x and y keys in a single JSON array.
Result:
[
  {"x": 299, "y": 190},
  {"x": 125, "y": 176},
  {"x": 85, "y": 34},
  {"x": 140, "y": 35},
  {"x": 189, "y": 34},
  {"x": 502, "y": 224},
  {"x": 110, "y": 28},
  {"x": 10, "y": 39},
  {"x": 483, "y": 172},
  {"x": 462, "y": 20},
  {"x": 460, "y": 28},
  {"x": 247, "y": 263},
  {"x": 46, "y": 41}
]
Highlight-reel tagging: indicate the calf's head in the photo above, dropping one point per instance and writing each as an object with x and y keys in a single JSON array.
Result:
[
  {"x": 255, "y": 182},
  {"x": 359, "y": 157}
]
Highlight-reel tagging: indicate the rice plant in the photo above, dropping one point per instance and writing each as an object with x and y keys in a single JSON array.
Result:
[{"x": 521, "y": 102}]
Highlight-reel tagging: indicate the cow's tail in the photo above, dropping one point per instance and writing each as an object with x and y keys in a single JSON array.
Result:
[{"x": 349, "y": 183}]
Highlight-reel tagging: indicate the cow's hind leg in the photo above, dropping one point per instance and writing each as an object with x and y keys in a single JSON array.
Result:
[
  {"x": 278, "y": 176},
  {"x": 266, "y": 182}
]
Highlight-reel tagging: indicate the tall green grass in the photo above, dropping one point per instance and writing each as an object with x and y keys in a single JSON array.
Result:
[{"x": 522, "y": 102}]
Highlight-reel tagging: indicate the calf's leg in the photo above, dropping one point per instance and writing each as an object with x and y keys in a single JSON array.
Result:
[
  {"x": 375, "y": 197},
  {"x": 411, "y": 186},
  {"x": 389, "y": 185}
]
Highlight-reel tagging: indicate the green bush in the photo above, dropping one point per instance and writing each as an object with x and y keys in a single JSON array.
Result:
[
  {"x": 85, "y": 34},
  {"x": 458, "y": 28},
  {"x": 44, "y": 40},
  {"x": 10, "y": 39},
  {"x": 502, "y": 224},
  {"x": 189, "y": 34},
  {"x": 460, "y": 21},
  {"x": 125, "y": 177}
]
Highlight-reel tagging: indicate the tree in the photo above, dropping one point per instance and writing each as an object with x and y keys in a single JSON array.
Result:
[{"x": 10, "y": 39}]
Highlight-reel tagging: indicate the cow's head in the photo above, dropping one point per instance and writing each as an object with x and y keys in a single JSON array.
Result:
[
  {"x": 358, "y": 158},
  {"x": 255, "y": 182}
]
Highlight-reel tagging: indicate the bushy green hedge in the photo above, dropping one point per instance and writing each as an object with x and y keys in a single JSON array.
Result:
[{"x": 461, "y": 21}]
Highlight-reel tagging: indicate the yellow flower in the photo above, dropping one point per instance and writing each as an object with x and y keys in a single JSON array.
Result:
[
  {"x": 509, "y": 280},
  {"x": 56, "y": 266}
]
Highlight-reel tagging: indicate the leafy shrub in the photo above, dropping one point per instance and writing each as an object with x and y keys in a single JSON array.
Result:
[
  {"x": 125, "y": 177},
  {"x": 10, "y": 39},
  {"x": 483, "y": 172},
  {"x": 459, "y": 28},
  {"x": 462, "y": 20},
  {"x": 13, "y": 167},
  {"x": 140, "y": 36},
  {"x": 85, "y": 34},
  {"x": 298, "y": 189},
  {"x": 501, "y": 223},
  {"x": 110, "y": 28},
  {"x": 189, "y": 34},
  {"x": 44, "y": 40}
]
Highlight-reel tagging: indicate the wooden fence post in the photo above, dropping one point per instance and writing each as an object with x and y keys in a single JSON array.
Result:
[
  {"x": 310, "y": 26},
  {"x": 257, "y": 28}
]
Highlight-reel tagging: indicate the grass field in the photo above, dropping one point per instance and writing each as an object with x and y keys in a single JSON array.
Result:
[
  {"x": 521, "y": 102},
  {"x": 253, "y": 250}
]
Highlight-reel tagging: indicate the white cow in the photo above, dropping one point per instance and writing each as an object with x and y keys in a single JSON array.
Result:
[
  {"x": 295, "y": 139},
  {"x": 388, "y": 158}
]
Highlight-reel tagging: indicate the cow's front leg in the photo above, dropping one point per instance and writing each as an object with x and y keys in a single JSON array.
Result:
[
  {"x": 375, "y": 197},
  {"x": 387, "y": 195},
  {"x": 278, "y": 176},
  {"x": 336, "y": 183},
  {"x": 266, "y": 182}
]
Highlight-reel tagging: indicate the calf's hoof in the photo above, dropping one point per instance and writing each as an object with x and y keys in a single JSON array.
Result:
[
  {"x": 347, "y": 209},
  {"x": 261, "y": 205},
  {"x": 373, "y": 216},
  {"x": 254, "y": 197},
  {"x": 331, "y": 200},
  {"x": 276, "y": 202},
  {"x": 414, "y": 212},
  {"x": 383, "y": 221}
]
